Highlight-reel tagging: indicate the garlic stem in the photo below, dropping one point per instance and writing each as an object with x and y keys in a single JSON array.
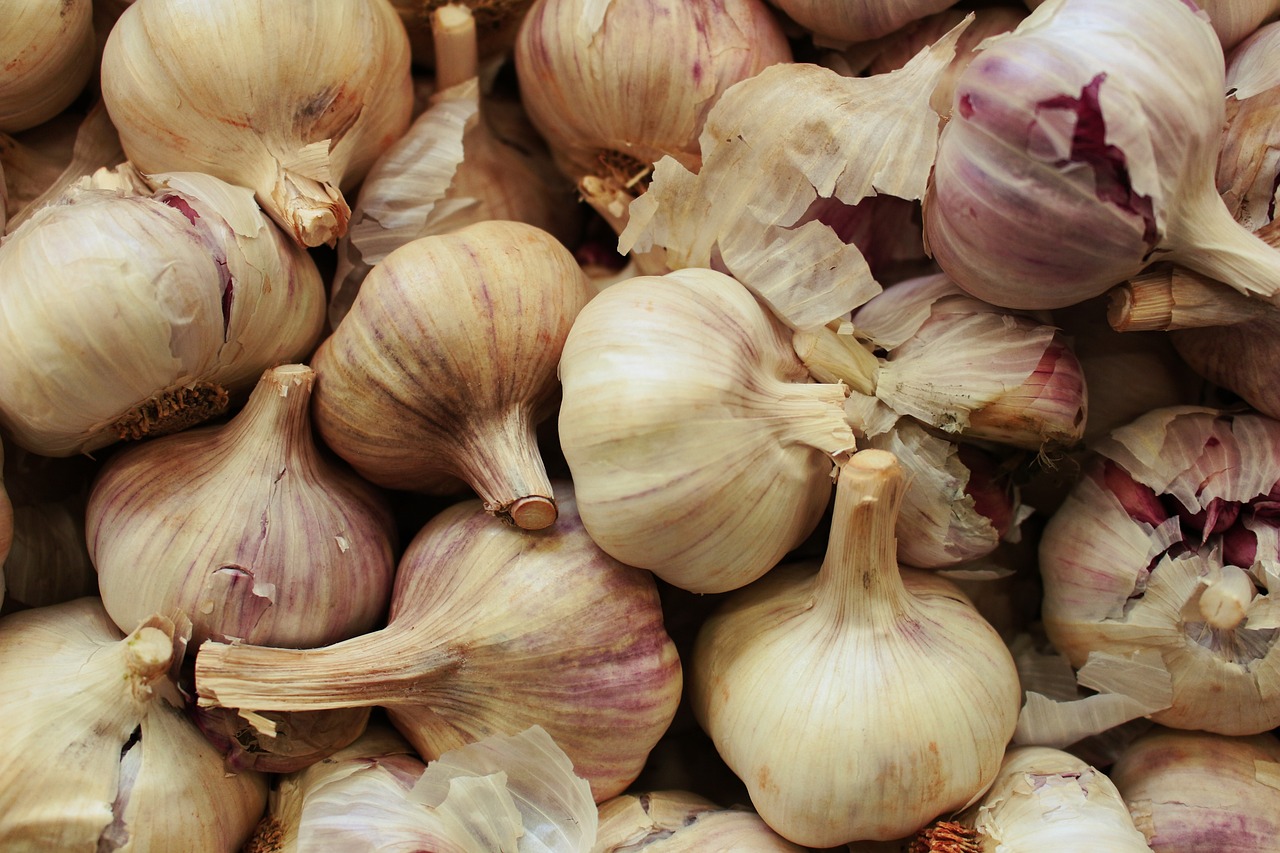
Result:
[
  {"x": 833, "y": 357},
  {"x": 371, "y": 669},
  {"x": 1226, "y": 599},
  {"x": 1169, "y": 298},
  {"x": 1230, "y": 253},
  {"x": 859, "y": 578},
  {"x": 502, "y": 464},
  {"x": 314, "y": 213},
  {"x": 149, "y": 651},
  {"x": 453, "y": 35}
]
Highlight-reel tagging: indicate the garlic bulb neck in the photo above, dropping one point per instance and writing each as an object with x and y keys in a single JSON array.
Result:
[
  {"x": 833, "y": 357},
  {"x": 173, "y": 410},
  {"x": 314, "y": 213},
  {"x": 453, "y": 36},
  {"x": 1224, "y": 603},
  {"x": 148, "y": 652}
]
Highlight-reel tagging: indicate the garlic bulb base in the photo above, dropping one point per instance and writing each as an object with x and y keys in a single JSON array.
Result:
[
  {"x": 946, "y": 837},
  {"x": 313, "y": 213},
  {"x": 173, "y": 410}
]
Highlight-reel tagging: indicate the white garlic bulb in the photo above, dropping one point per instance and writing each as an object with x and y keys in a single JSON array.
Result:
[
  {"x": 294, "y": 102},
  {"x": 698, "y": 447},
  {"x": 245, "y": 528},
  {"x": 860, "y": 702},
  {"x": 99, "y": 755},
  {"x": 47, "y": 57},
  {"x": 131, "y": 315}
]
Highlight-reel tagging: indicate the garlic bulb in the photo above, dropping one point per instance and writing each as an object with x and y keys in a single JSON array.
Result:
[
  {"x": 1236, "y": 20},
  {"x": 1191, "y": 791},
  {"x": 437, "y": 377},
  {"x": 889, "y": 700},
  {"x": 492, "y": 629},
  {"x": 98, "y": 754},
  {"x": 1163, "y": 557},
  {"x": 681, "y": 822},
  {"x": 134, "y": 315},
  {"x": 500, "y": 793},
  {"x": 1081, "y": 146},
  {"x": 698, "y": 448},
  {"x": 47, "y": 53},
  {"x": 245, "y": 528},
  {"x": 839, "y": 21},
  {"x": 1248, "y": 163},
  {"x": 295, "y": 103}
]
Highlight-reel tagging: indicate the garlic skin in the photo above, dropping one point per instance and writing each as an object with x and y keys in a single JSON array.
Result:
[
  {"x": 1081, "y": 147},
  {"x": 6, "y": 526},
  {"x": 841, "y": 21},
  {"x": 95, "y": 732},
  {"x": 1190, "y": 791},
  {"x": 47, "y": 53},
  {"x": 698, "y": 447},
  {"x": 492, "y": 629},
  {"x": 245, "y": 528},
  {"x": 132, "y": 315},
  {"x": 1163, "y": 558},
  {"x": 420, "y": 397},
  {"x": 889, "y": 699},
  {"x": 1248, "y": 162},
  {"x": 295, "y": 104},
  {"x": 681, "y": 822},
  {"x": 1235, "y": 20}
]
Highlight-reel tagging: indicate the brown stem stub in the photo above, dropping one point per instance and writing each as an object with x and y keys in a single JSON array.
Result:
[
  {"x": 532, "y": 512},
  {"x": 946, "y": 837},
  {"x": 172, "y": 410}
]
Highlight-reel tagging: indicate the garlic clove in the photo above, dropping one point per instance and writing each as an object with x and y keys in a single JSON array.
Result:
[
  {"x": 698, "y": 448},
  {"x": 297, "y": 124},
  {"x": 244, "y": 527},
  {"x": 47, "y": 53}
]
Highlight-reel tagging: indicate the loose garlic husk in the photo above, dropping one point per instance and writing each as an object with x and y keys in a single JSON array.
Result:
[
  {"x": 438, "y": 375},
  {"x": 98, "y": 754},
  {"x": 501, "y": 793},
  {"x": 130, "y": 315},
  {"x": 1193, "y": 791},
  {"x": 47, "y": 53},
  {"x": 1163, "y": 558},
  {"x": 295, "y": 103},
  {"x": 698, "y": 447},
  {"x": 492, "y": 629},
  {"x": 681, "y": 822},
  {"x": 1081, "y": 147},
  {"x": 889, "y": 700},
  {"x": 1046, "y": 799},
  {"x": 245, "y": 528}
]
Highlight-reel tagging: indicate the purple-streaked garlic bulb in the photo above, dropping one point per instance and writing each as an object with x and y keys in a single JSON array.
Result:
[{"x": 1163, "y": 559}]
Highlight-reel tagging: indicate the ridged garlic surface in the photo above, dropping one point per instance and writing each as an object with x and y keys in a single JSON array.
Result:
[
  {"x": 861, "y": 701},
  {"x": 295, "y": 102},
  {"x": 698, "y": 446},
  {"x": 681, "y": 822},
  {"x": 130, "y": 315},
  {"x": 46, "y": 57},
  {"x": 245, "y": 528},
  {"x": 99, "y": 755}
]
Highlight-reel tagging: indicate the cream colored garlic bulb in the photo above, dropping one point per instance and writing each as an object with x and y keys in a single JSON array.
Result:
[
  {"x": 1195, "y": 791},
  {"x": 858, "y": 702},
  {"x": 46, "y": 58},
  {"x": 437, "y": 377},
  {"x": 99, "y": 755},
  {"x": 130, "y": 315},
  {"x": 842, "y": 21},
  {"x": 295, "y": 102},
  {"x": 698, "y": 447},
  {"x": 1165, "y": 558},
  {"x": 245, "y": 528},
  {"x": 681, "y": 822}
]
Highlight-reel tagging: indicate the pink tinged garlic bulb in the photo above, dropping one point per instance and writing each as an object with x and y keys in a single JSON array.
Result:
[
  {"x": 131, "y": 315},
  {"x": 1081, "y": 147},
  {"x": 99, "y": 755},
  {"x": 492, "y": 630},
  {"x": 889, "y": 700},
  {"x": 1163, "y": 559},
  {"x": 1248, "y": 164},
  {"x": 437, "y": 377},
  {"x": 46, "y": 58},
  {"x": 682, "y": 822},
  {"x": 245, "y": 528},
  {"x": 1235, "y": 20},
  {"x": 295, "y": 103},
  {"x": 698, "y": 447},
  {"x": 1191, "y": 791}
]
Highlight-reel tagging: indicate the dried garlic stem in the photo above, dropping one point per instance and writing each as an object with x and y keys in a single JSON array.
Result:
[
  {"x": 502, "y": 464},
  {"x": 314, "y": 213},
  {"x": 833, "y": 357},
  {"x": 1177, "y": 298},
  {"x": 453, "y": 35},
  {"x": 1226, "y": 600}
]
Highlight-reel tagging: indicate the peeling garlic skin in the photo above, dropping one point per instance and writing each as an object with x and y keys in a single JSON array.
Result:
[{"x": 1170, "y": 543}]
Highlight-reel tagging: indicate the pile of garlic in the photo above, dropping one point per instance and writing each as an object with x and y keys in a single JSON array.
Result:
[{"x": 601, "y": 426}]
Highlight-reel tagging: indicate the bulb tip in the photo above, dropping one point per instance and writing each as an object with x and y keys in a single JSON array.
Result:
[{"x": 532, "y": 512}]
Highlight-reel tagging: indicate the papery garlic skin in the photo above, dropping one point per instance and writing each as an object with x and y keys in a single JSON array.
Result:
[
  {"x": 46, "y": 51},
  {"x": 1177, "y": 502},
  {"x": 245, "y": 527},
  {"x": 698, "y": 448},
  {"x": 99, "y": 754},
  {"x": 133, "y": 315},
  {"x": 1191, "y": 791},
  {"x": 438, "y": 375},
  {"x": 294, "y": 103},
  {"x": 681, "y": 822},
  {"x": 859, "y": 702},
  {"x": 1081, "y": 147}
]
